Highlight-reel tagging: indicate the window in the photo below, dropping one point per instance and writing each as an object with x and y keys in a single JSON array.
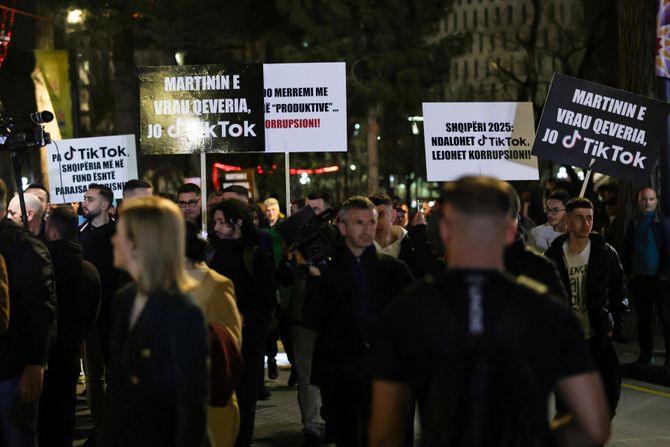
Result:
[
  {"x": 524, "y": 12},
  {"x": 465, "y": 20},
  {"x": 465, "y": 70},
  {"x": 486, "y": 16},
  {"x": 504, "y": 40},
  {"x": 510, "y": 14},
  {"x": 474, "y": 18},
  {"x": 493, "y": 42},
  {"x": 481, "y": 42},
  {"x": 497, "y": 15},
  {"x": 455, "y": 73},
  {"x": 476, "y": 69}
]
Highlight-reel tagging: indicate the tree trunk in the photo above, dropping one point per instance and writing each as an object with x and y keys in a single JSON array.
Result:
[
  {"x": 372, "y": 128},
  {"x": 637, "y": 50}
]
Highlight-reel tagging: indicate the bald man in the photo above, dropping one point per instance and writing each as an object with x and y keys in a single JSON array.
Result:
[
  {"x": 646, "y": 259},
  {"x": 34, "y": 212}
]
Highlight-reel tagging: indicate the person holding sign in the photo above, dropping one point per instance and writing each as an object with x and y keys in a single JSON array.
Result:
[{"x": 542, "y": 236}]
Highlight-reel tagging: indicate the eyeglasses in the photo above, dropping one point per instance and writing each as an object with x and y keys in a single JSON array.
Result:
[
  {"x": 553, "y": 210},
  {"x": 189, "y": 204}
]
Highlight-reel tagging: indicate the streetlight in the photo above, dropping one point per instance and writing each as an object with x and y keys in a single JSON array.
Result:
[{"x": 75, "y": 16}]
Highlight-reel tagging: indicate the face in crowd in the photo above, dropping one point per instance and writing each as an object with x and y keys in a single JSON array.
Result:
[
  {"x": 555, "y": 211},
  {"x": 358, "y": 226},
  {"x": 225, "y": 228},
  {"x": 647, "y": 200},
  {"x": 385, "y": 217},
  {"x": 190, "y": 205},
  {"x": 580, "y": 222},
  {"x": 272, "y": 213},
  {"x": 94, "y": 204},
  {"x": 317, "y": 205}
]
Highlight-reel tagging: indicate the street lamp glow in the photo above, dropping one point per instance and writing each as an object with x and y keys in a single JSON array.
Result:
[
  {"x": 352, "y": 167},
  {"x": 75, "y": 16}
]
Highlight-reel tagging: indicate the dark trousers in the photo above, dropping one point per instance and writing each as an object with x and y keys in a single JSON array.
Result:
[
  {"x": 607, "y": 363},
  {"x": 56, "y": 416},
  {"x": 346, "y": 404},
  {"x": 281, "y": 331},
  {"x": 650, "y": 293},
  {"x": 253, "y": 351}
]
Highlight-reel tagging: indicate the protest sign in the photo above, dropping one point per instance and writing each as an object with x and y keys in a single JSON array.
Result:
[
  {"x": 471, "y": 138},
  {"x": 601, "y": 128},
  {"x": 74, "y": 164},
  {"x": 201, "y": 108},
  {"x": 305, "y": 107}
]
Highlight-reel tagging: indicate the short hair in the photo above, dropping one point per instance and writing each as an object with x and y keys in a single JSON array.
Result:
[
  {"x": 135, "y": 184},
  {"x": 515, "y": 201},
  {"x": 149, "y": 221},
  {"x": 237, "y": 189},
  {"x": 234, "y": 210},
  {"x": 380, "y": 199},
  {"x": 479, "y": 196},
  {"x": 578, "y": 202},
  {"x": 355, "y": 203},
  {"x": 323, "y": 195},
  {"x": 3, "y": 196},
  {"x": 299, "y": 203},
  {"x": 64, "y": 219},
  {"x": 40, "y": 186},
  {"x": 559, "y": 194},
  {"x": 216, "y": 194},
  {"x": 271, "y": 201},
  {"x": 104, "y": 191},
  {"x": 189, "y": 187},
  {"x": 196, "y": 244}
]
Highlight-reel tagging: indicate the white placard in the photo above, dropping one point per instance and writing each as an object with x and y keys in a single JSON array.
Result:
[
  {"x": 74, "y": 164},
  {"x": 479, "y": 138},
  {"x": 305, "y": 107}
]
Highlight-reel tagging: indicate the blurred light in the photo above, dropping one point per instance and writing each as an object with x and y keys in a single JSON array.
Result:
[
  {"x": 379, "y": 137},
  {"x": 415, "y": 128},
  {"x": 580, "y": 175},
  {"x": 402, "y": 186},
  {"x": 179, "y": 56},
  {"x": 75, "y": 16},
  {"x": 431, "y": 203},
  {"x": 413, "y": 204},
  {"x": 24, "y": 183},
  {"x": 357, "y": 126},
  {"x": 391, "y": 178},
  {"x": 304, "y": 179},
  {"x": 562, "y": 173},
  {"x": 414, "y": 119},
  {"x": 352, "y": 167}
]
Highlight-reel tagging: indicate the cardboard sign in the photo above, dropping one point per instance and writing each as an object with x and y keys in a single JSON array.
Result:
[
  {"x": 608, "y": 130},
  {"x": 201, "y": 108},
  {"x": 479, "y": 138},
  {"x": 305, "y": 107},
  {"x": 74, "y": 164}
]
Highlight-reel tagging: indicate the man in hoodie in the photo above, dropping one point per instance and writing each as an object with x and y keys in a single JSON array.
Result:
[
  {"x": 78, "y": 296},
  {"x": 413, "y": 247}
]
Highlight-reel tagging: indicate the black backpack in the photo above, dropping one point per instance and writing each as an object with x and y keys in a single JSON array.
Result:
[{"x": 483, "y": 394}]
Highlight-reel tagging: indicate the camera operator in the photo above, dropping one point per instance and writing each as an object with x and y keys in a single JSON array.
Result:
[
  {"x": 343, "y": 303},
  {"x": 24, "y": 347}
]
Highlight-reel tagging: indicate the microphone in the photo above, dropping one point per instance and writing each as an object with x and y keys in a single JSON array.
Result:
[{"x": 41, "y": 117}]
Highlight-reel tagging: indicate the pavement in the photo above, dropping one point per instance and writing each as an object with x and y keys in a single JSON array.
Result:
[{"x": 641, "y": 418}]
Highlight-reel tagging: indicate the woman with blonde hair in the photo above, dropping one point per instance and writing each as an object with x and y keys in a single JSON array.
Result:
[{"x": 159, "y": 350}]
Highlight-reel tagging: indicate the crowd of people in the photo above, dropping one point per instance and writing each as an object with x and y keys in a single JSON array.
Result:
[{"x": 469, "y": 313}]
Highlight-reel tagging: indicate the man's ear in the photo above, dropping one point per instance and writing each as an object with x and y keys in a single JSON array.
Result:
[
  {"x": 342, "y": 227},
  {"x": 30, "y": 214},
  {"x": 510, "y": 231}
]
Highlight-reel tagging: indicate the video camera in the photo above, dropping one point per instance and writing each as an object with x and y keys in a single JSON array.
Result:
[
  {"x": 310, "y": 234},
  {"x": 24, "y": 133}
]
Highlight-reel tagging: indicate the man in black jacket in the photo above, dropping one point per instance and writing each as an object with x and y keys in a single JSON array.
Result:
[
  {"x": 524, "y": 262},
  {"x": 646, "y": 259},
  {"x": 411, "y": 246},
  {"x": 238, "y": 257},
  {"x": 78, "y": 292},
  {"x": 592, "y": 274},
  {"x": 345, "y": 299},
  {"x": 24, "y": 347}
]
